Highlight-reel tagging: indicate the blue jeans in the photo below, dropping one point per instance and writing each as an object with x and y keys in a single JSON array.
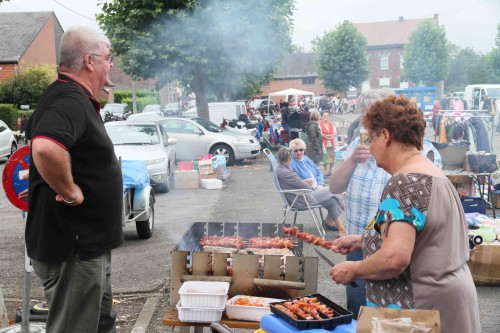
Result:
[{"x": 356, "y": 297}]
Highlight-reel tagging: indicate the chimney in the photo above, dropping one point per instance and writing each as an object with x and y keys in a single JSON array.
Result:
[
  {"x": 436, "y": 17},
  {"x": 401, "y": 19}
]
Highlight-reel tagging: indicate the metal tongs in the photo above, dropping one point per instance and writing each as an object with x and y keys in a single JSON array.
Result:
[{"x": 329, "y": 262}]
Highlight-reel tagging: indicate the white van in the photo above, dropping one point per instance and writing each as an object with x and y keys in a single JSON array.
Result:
[
  {"x": 474, "y": 94},
  {"x": 220, "y": 111}
]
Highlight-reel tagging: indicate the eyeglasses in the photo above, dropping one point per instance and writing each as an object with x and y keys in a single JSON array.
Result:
[
  {"x": 297, "y": 150},
  {"x": 107, "y": 58}
]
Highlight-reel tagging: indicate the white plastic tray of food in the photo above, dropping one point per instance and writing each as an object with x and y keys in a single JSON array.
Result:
[
  {"x": 198, "y": 315},
  {"x": 204, "y": 294},
  {"x": 249, "y": 308}
]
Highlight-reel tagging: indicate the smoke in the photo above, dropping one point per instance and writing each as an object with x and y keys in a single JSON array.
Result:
[{"x": 229, "y": 38}]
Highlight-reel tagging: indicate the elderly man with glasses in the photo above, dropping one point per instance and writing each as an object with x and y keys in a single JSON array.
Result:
[
  {"x": 309, "y": 172},
  {"x": 75, "y": 190}
]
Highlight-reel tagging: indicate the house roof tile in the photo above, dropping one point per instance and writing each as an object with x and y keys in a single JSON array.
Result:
[{"x": 18, "y": 29}]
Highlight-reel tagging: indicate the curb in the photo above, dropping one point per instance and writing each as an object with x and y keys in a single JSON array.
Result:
[{"x": 142, "y": 322}]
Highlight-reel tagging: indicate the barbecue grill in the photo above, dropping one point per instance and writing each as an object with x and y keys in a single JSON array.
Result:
[{"x": 278, "y": 277}]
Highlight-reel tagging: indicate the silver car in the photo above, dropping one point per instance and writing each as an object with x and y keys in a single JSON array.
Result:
[
  {"x": 149, "y": 142},
  {"x": 198, "y": 137},
  {"x": 8, "y": 144}
]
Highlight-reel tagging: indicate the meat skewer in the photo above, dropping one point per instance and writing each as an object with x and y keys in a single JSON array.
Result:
[{"x": 307, "y": 237}]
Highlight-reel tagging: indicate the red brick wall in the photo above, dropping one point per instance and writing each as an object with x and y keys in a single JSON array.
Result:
[
  {"x": 276, "y": 85},
  {"x": 43, "y": 48},
  {"x": 393, "y": 72},
  {"x": 7, "y": 71}
]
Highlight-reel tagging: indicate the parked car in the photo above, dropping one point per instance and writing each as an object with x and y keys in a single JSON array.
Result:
[
  {"x": 152, "y": 108},
  {"x": 172, "y": 109},
  {"x": 120, "y": 111},
  {"x": 8, "y": 144},
  {"x": 149, "y": 142},
  {"x": 197, "y": 137},
  {"x": 146, "y": 116},
  {"x": 263, "y": 105}
]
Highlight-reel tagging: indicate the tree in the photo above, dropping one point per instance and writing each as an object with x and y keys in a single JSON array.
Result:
[
  {"x": 28, "y": 86},
  {"x": 494, "y": 58},
  {"x": 208, "y": 46},
  {"x": 426, "y": 56},
  {"x": 341, "y": 57},
  {"x": 463, "y": 69}
]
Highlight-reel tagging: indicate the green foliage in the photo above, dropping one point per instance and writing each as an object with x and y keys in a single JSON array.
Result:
[
  {"x": 141, "y": 102},
  {"x": 341, "y": 57},
  {"x": 8, "y": 113},
  {"x": 121, "y": 95},
  {"x": 494, "y": 58},
  {"x": 426, "y": 58},
  {"x": 28, "y": 86},
  {"x": 208, "y": 46}
]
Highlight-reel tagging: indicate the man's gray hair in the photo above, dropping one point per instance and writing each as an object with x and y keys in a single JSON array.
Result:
[
  {"x": 76, "y": 42},
  {"x": 368, "y": 97},
  {"x": 284, "y": 154}
]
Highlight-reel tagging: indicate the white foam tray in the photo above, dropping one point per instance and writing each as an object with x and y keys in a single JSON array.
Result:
[
  {"x": 198, "y": 315},
  {"x": 204, "y": 294},
  {"x": 247, "y": 312}
]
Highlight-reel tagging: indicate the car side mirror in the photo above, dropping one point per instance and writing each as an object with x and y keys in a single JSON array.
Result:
[
  {"x": 197, "y": 131},
  {"x": 170, "y": 142}
]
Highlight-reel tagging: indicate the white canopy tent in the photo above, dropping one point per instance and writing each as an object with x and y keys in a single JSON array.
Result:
[{"x": 292, "y": 92}]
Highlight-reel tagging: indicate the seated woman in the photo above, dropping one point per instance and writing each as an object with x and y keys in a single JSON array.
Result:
[
  {"x": 416, "y": 247},
  {"x": 289, "y": 180}
]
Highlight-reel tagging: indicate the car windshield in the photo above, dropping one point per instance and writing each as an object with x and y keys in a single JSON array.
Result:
[
  {"x": 208, "y": 125},
  {"x": 133, "y": 134},
  {"x": 115, "y": 108},
  {"x": 172, "y": 105},
  {"x": 152, "y": 108}
]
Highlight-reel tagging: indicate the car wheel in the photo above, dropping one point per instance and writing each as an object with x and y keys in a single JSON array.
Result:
[
  {"x": 13, "y": 148},
  {"x": 145, "y": 228},
  {"x": 224, "y": 150}
]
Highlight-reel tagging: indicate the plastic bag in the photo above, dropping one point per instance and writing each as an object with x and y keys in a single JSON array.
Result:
[{"x": 220, "y": 168}]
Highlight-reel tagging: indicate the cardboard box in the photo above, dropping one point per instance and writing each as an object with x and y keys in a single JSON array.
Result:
[
  {"x": 185, "y": 179},
  {"x": 429, "y": 317},
  {"x": 484, "y": 264},
  {"x": 495, "y": 198},
  {"x": 208, "y": 176},
  {"x": 205, "y": 167},
  {"x": 211, "y": 184}
]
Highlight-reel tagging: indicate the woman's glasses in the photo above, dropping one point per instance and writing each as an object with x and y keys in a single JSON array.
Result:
[{"x": 297, "y": 150}]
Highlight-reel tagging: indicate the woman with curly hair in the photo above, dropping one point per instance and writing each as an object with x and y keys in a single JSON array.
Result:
[{"x": 416, "y": 247}]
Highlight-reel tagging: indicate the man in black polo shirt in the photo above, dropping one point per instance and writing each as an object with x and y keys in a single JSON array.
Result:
[{"x": 75, "y": 190}]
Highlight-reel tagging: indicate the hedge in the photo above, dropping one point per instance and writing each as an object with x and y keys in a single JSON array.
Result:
[{"x": 9, "y": 114}]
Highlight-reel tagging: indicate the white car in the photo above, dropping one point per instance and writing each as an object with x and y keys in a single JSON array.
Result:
[
  {"x": 149, "y": 142},
  {"x": 197, "y": 137},
  {"x": 8, "y": 144},
  {"x": 152, "y": 108}
]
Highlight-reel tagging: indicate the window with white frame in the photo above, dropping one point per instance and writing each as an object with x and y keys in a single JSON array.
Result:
[
  {"x": 384, "y": 61},
  {"x": 384, "y": 82},
  {"x": 401, "y": 62}
]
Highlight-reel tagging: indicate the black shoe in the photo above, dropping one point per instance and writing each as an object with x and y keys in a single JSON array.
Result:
[{"x": 330, "y": 227}]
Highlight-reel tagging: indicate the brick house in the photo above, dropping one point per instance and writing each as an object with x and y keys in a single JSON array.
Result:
[
  {"x": 28, "y": 38},
  {"x": 386, "y": 41},
  {"x": 385, "y": 44}
]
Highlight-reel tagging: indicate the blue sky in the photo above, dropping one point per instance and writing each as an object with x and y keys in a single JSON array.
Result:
[{"x": 467, "y": 23}]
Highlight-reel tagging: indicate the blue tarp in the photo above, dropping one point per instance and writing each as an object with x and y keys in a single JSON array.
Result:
[{"x": 135, "y": 174}]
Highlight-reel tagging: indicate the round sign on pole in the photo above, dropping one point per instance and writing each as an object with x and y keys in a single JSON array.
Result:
[{"x": 12, "y": 184}]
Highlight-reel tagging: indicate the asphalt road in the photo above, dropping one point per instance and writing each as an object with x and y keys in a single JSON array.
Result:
[{"x": 143, "y": 266}]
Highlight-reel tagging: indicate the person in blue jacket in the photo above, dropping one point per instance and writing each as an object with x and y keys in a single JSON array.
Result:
[{"x": 308, "y": 171}]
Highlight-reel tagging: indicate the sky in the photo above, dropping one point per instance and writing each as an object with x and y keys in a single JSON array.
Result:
[{"x": 468, "y": 23}]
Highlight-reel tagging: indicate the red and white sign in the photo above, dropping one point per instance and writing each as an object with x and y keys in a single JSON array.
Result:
[{"x": 12, "y": 184}]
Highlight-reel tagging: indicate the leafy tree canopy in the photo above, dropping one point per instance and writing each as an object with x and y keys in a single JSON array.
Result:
[
  {"x": 28, "y": 86},
  {"x": 209, "y": 46},
  {"x": 341, "y": 57},
  {"x": 426, "y": 57}
]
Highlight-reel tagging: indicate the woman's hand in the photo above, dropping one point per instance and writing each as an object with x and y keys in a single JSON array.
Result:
[
  {"x": 344, "y": 273},
  {"x": 346, "y": 244},
  {"x": 23, "y": 194}
]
